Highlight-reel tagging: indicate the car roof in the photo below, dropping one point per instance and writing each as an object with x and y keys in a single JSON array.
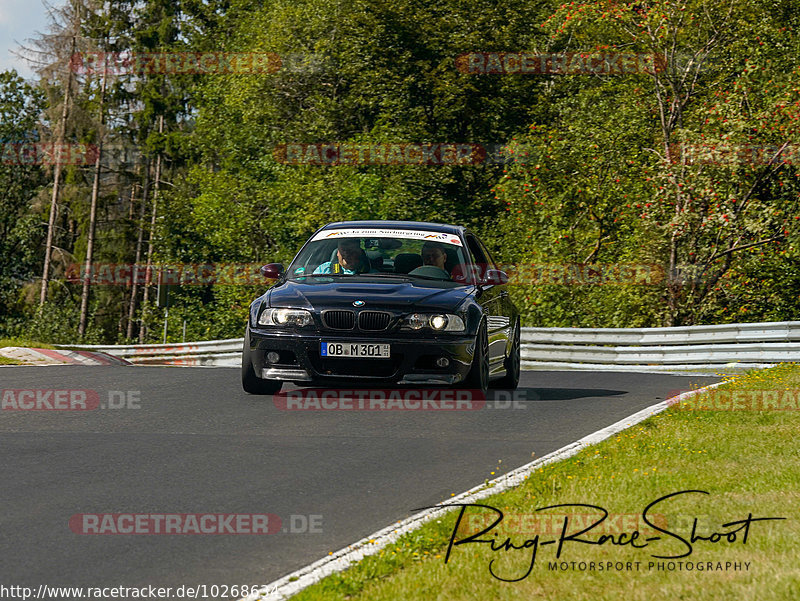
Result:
[{"x": 408, "y": 225}]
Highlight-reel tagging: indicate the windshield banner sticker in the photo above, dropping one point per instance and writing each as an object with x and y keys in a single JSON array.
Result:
[{"x": 384, "y": 233}]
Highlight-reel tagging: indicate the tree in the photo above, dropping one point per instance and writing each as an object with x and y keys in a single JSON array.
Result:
[
  {"x": 20, "y": 182},
  {"x": 58, "y": 41},
  {"x": 720, "y": 82}
]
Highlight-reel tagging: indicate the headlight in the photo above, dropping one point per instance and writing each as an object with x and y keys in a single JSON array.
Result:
[
  {"x": 440, "y": 322},
  {"x": 448, "y": 323},
  {"x": 285, "y": 317}
]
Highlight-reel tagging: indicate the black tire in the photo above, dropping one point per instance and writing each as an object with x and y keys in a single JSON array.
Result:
[
  {"x": 251, "y": 383},
  {"x": 478, "y": 377},
  {"x": 513, "y": 363}
]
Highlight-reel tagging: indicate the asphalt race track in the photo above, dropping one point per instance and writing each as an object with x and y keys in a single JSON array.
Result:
[{"x": 199, "y": 444}]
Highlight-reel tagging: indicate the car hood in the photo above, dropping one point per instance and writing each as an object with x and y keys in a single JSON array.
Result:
[{"x": 399, "y": 296}]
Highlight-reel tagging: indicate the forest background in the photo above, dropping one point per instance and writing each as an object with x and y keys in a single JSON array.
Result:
[{"x": 682, "y": 162}]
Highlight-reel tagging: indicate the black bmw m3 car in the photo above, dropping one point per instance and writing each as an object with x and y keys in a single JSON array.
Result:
[{"x": 384, "y": 303}]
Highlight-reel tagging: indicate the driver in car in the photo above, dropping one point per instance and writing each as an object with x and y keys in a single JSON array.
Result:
[
  {"x": 434, "y": 258},
  {"x": 350, "y": 259}
]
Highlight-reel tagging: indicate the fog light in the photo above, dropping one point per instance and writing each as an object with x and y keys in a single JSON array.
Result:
[
  {"x": 273, "y": 357},
  {"x": 443, "y": 362}
]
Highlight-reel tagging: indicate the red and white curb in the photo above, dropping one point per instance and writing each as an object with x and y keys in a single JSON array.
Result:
[
  {"x": 339, "y": 561},
  {"x": 43, "y": 356}
]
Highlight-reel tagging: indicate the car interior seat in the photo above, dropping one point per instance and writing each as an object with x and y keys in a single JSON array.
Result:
[
  {"x": 451, "y": 261},
  {"x": 405, "y": 262},
  {"x": 375, "y": 259}
]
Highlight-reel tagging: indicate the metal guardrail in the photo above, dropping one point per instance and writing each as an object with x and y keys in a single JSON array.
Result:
[
  {"x": 732, "y": 346},
  {"x": 210, "y": 353},
  {"x": 781, "y": 331}
]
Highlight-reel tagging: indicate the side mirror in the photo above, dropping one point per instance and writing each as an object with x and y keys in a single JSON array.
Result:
[
  {"x": 272, "y": 271},
  {"x": 494, "y": 277}
]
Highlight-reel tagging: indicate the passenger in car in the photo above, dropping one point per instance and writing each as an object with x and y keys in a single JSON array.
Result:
[{"x": 350, "y": 259}]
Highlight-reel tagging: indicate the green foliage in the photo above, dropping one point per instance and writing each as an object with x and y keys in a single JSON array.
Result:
[
  {"x": 632, "y": 168},
  {"x": 375, "y": 73},
  {"x": 603, "y": 169},
  {"x": 57, "y": 323},
  {"x": 21, "y": 230}
]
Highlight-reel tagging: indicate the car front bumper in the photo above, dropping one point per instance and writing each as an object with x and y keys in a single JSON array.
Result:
[{"x": 412, "y": 360}]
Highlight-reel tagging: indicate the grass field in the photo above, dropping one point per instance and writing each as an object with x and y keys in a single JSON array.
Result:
[
  {"x": 23, "y": 343},
  {"x": 747, "y": 460}
]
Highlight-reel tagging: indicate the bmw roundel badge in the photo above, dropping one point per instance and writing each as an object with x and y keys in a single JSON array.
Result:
[{"x": 358, "y": 303}]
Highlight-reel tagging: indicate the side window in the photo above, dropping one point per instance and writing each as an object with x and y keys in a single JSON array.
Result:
[
  {"x": 490, "y": 264},
  {"x": 474, "y": 272},
  {"x": 475, "y": 251}
]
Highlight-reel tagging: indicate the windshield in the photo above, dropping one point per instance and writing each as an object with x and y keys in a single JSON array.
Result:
[{"x": 380, "y": 253}]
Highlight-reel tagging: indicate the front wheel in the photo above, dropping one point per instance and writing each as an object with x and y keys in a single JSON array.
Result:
[
  {"x": 513, "y": 363},
  {"x": 478, "y": 377},
  {"x": 251, "y": 383}
]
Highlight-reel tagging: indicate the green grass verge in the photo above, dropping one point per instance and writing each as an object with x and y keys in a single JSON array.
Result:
[
  {"x": 24, "y": 343},
  {"x": 20, "y": 342},
  {"x": 749, "y": 461}
]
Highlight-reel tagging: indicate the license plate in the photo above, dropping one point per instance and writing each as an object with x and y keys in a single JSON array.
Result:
[{"x": 364, "y": 350}]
